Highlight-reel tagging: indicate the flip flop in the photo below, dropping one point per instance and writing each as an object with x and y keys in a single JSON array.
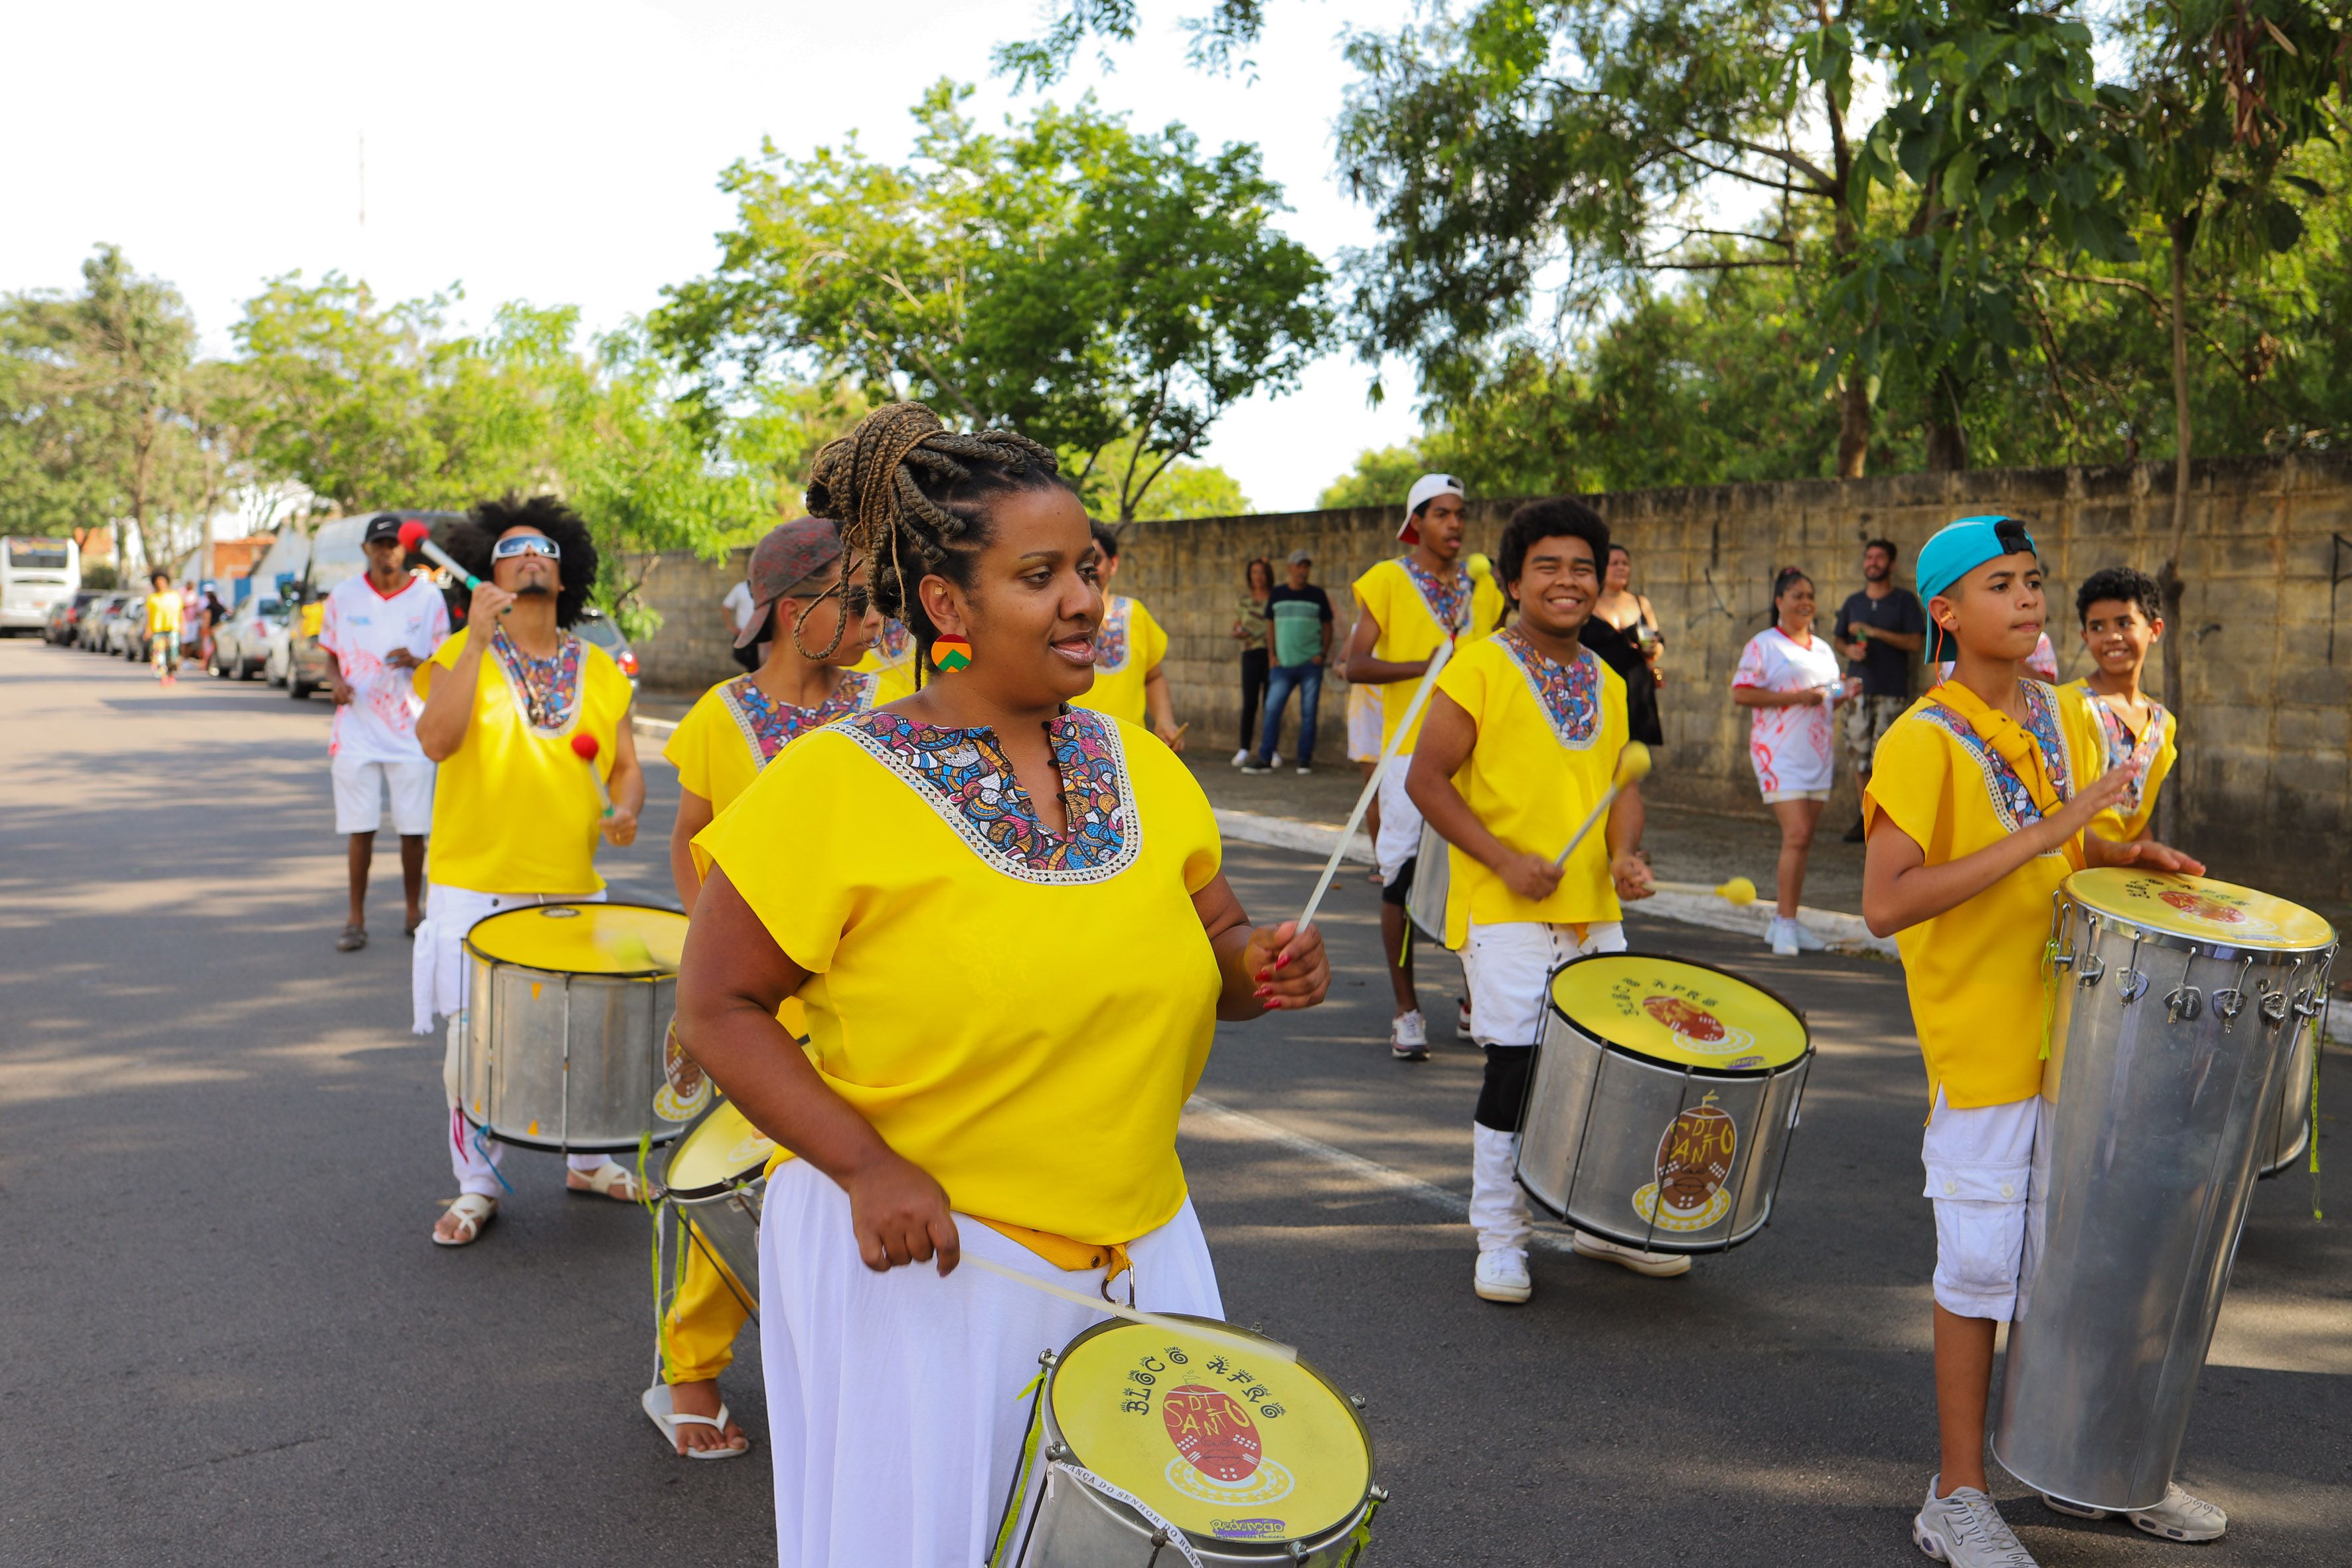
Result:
[
  {"x": 474, "y": 1211},
  {"x": 656, "y": 1404},
  {"x": 353, "y": 939}
]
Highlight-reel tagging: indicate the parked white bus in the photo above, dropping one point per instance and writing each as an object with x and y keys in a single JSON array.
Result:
[{"x": 33, "y": 575}]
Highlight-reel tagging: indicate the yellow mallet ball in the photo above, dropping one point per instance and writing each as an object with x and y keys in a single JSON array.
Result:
[
  {"x": 1633, "y": 765},
  {"x": 1738, "y": 891}
]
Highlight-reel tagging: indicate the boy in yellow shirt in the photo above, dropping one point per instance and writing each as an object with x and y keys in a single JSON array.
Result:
[
  {"x": 2120, "y": 624},
  {"x": 1976, "y": 808},
  {"x": 1520, "y": 741}
]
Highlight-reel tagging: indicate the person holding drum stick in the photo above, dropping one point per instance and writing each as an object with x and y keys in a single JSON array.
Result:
[
  {"x": 817, "y": 627},
  {"x": 1977, "y": 809},
  {"x": 1406, "y": 609},
  {"x": 932, "y": 879},
  {"x": 1522, "y": 741},
  {"x": 516, "y": 811}
]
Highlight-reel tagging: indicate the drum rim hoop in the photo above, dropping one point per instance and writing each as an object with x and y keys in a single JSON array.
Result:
[
  {"x": 2181, "y": 942},
  {"x": 577, "y": 1146},
  {"x": 711, "y": 1190},
  {"x": 495, "y": 963},
  {"x": 1552, "y": 1007},
  {"x": 1048, "y": 1425}
]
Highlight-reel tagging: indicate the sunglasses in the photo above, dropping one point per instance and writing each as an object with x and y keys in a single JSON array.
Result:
[
  {"x": 515, "y": 544},
  {"x": 855, "y": 597}
]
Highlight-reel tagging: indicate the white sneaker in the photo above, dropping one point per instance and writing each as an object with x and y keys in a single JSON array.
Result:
[
  {"x": 1966, "y": 1530},
  {"x": 2179, "y": 1517},
  {"x": 1408, "y": 1037},
  {"x": 1656, "y": 1264},
  {"x": 1274, "y": 760},
  {"x": 1462, "y": 1021},
  {"x": 1305, "y": 771},
  {"x": 1241, "y": 756},
  {"x": 1782, "y": 936},
  {"x": 1806, "y": 941},
  {"x": 1503, "y": 1276}
]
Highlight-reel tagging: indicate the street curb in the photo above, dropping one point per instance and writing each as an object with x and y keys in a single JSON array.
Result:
[{"x": 1843, "y": 932}]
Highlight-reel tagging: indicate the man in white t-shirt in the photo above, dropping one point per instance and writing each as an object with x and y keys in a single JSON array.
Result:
[
  {"x": 737, "y": 610},
  {"x": 374, "y": 630}
]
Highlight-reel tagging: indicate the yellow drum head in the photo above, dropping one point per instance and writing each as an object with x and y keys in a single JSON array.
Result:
[
  {"x": 1674, "y": 1011},
  {"x": 583, "y": 939},
  {"x": 724, "y": 1149},
  {"x": 1226, "y": 1446},
  {"x": 2198, "y": 908}
]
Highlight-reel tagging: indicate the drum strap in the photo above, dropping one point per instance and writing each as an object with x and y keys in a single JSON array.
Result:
[
  {"x": 2019, "y": 750},
  {"x": 1012, "y": 1505},
  {"x": 1071, "y": 1257}
]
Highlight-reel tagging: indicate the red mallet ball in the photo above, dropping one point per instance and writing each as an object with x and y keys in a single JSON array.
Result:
[
  {"x": 584, "y": 747},
  {"x": 413, "y": 536}
]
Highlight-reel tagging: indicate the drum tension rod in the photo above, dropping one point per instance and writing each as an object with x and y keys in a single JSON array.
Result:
[{"x": 2132, "y": 984}]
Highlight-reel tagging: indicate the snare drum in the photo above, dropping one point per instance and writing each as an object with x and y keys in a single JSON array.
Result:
[
  {"x": 1151, "y": 1448},
  {"x": 1662, "y": 1103},
  {"x": 716, "y": 1178},
  {"x": 1433, "y": 876},
  {"x": 568, "y": 1044}
]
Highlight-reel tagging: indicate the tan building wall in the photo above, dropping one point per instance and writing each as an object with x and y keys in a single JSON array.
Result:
[{"x": 2266, "y": 768}]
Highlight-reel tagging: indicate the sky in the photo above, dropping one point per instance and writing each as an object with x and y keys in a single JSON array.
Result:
[{"x": 568, "y": 153}]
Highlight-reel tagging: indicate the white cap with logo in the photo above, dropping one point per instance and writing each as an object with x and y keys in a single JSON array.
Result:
[{"x": 1427, "y": 489}]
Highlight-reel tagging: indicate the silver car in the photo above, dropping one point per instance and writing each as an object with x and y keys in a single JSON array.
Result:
[{"x": 241, "y": 641}]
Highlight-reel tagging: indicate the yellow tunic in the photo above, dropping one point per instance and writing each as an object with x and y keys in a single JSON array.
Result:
[
  {"x": 163, "y": 611},
  {"x": 1549, "y": 739},
  {"x": 734, "y": 730},
  {"x": 1417, "y": 613},
  {"x": 1127, "y": 650},
  {"x": 2149, "y": 754},
  {"x": 514, "y": 810},
  {"x": 956, "y": 999},
  {"x": 1975, "y": 972},
  {"x": 891, "y": 661}
]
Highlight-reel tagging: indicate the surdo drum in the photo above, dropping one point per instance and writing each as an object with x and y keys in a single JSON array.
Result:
[
  {"x": 1148, "y": 1449},
  {"x": 2178, "y": 1006},
  {"x": 1662, "y": 1102},
  {"x": 714, "y": 1179},
  {"x": 568, "y": 1044}
]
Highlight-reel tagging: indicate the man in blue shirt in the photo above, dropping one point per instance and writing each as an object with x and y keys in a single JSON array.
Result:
[{"x": 1297, "y": 640}]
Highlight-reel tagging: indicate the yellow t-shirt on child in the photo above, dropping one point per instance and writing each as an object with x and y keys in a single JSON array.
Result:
[
  {"x": 1976, "y": 973},
  {"x": 2149, "y": 754},
  {"x": 163, "y": 612},
  {"x": 1417, "y": 613},
  {"x": 1549, "y": 739},
  {"x": 1128, "y": 648}
]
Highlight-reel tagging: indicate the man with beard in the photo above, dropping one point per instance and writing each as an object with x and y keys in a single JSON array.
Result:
[
  {"x": 1881, "y": 630},
  {"x": 515, "y": 819}
]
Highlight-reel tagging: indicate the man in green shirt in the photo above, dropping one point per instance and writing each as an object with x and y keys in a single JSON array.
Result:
[{"x": 1297, "y": 640}]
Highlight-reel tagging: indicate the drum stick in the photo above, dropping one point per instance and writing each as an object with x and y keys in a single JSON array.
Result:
[
  {"x": 1244, "y": 1342},
  {"x": 584, "y": 747},
  {"x": 418, "y": 539},
  {"x": 1738, "y": 891},
  {"x": 1632, "y": 767},
  {"x": 1372, "y": 785}
]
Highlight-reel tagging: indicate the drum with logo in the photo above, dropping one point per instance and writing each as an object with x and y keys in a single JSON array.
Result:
[
  {"x": 2177, "y": 1003},
  {"x": 568, "y": 1044},
  {"x": 1148, "y": 1447},
  {"x": 714, "y": 1179},
  {"x": 1662, "y": 1102},
  {"x": 1433, "y": 877}
]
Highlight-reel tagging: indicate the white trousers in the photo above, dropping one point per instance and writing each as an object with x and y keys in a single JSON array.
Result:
[
  {"x": 436, "y": 984},
  {"x": 895, "y": 1411}
]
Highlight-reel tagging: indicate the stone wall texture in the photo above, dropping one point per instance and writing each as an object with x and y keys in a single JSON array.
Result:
[{"x": 2265, "y": 777}]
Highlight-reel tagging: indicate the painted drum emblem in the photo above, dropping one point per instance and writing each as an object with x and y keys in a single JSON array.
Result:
[
  {"x": 1695, "y": 1157},
  {"x": 2197, "y": 905},
  {"x": 1219, "y": 1454},
  {"x": 686, "y": 1091},
  {"x": 1687, "y": 1019}
]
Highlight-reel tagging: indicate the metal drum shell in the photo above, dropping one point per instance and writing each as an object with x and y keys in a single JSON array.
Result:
[
  {"x": 581, "y": 1061},
  {"x": 1071, "y": 1525},
  {"x": 2141, "y": 1175},
  {"x": 1596, "y": 1111},
  {"x": 2284, "y": 1135},
  {"x": 725, "y": 1220},
  {"x": 1432, "y": 877}
]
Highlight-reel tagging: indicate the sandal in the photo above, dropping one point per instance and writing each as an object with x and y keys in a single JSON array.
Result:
[
  {"x": 609, "y": 1180},
  {"x": 353, "y": 939},
  {"x": 473, "y": 1211},
  {"x": 656, "y": 1404}
]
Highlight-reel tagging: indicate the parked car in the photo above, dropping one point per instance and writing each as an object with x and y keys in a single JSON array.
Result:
[
  {"x": 125, "y": 618},
  {"x": 241, "y": 641},
  {"x": 89, "y": 632},
  {"x": 594, "y": 625},
  {"x": 64, "y": 616}
]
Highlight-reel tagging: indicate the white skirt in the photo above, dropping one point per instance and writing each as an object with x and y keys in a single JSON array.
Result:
[{"x": 895, "y": 1411}]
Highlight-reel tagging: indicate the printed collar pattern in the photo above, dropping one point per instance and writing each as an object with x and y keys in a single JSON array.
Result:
[
  {"x": 2012, "y": 801},
  {"x": 1448, "y": 599},
  {"x": 1110, "y": 637},
  {"x": 547, "y": 689},
  {"x": 769, "y": 726},
  {"x": 964, "y": 775},
  {"x": 2126, "y": 751},
  {"x": 1570, "y": 694}
]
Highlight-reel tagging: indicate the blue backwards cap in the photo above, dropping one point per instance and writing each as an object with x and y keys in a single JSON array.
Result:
[{"x": 1959, "y": 548}]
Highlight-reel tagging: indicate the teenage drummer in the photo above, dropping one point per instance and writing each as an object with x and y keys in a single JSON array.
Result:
[
  {"x": 2121, "y": 623},
  {"x": 1977, "y": 803},
  {"x": 516, "y": 811},
  {"x": 1521, "y": 740},
  {"x": 816, "y": 627},
  {"x": 924, "y": 876}
]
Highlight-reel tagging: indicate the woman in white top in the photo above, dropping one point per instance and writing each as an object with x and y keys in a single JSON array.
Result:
[{"x": 1788, "y": 679}]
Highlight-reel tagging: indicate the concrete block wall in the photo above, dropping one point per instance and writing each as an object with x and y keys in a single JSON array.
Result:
[{"x": 2266, "y": 770}]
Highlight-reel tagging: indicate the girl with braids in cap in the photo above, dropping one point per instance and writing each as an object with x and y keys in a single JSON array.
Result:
[
  {"x": 976, "y": 1080},
  {"x": 817, "y": 625}
]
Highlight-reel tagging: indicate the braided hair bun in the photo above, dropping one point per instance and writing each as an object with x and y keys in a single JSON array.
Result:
[{"x": 912, "y": 497}]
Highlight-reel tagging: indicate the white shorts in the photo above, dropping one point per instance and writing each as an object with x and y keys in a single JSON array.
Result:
[
  {"x": 1400, "y": 838},
  {"x": 1979, "y": 1172},
  {"x": 1505, "y": 967},
  {"x": 1363, "y": 723},
  {"x": 360, "y": 788}
]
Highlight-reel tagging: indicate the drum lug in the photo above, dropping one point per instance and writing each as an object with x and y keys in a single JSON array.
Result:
[
  {"x": 2228, "y": 1004},
  {"x": 2274, "y": 1005},
  {"x": 1378, "y": 1494},
  {"x": 2065, "y": 960},
  {"x": 2094, "y": 970},
  {"x": 2307, "y": 1005},
  {"x": 1357, "y": 1400},
  {"x": 2130, "y": 986},
  {"x": 1047, "y": 1358},
  {"x": 1059, "y": 1452},
  {"x": 2183, "y": 1003}
]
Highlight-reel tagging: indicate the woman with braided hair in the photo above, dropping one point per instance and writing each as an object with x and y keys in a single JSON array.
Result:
[{"x": 975, "y": 1080}]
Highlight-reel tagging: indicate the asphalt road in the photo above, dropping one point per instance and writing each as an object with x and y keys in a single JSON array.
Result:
[{"x": 229, "y": 1341}]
